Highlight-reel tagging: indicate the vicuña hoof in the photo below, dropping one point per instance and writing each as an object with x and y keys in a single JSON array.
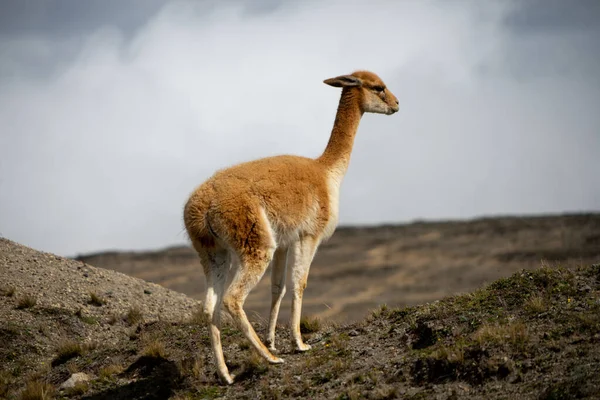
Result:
[
  {"x": 228, "y": 379},
  {"x": 303, "y": 347}
]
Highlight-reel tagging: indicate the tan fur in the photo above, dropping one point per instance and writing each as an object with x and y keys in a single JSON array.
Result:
[{"x": 277, "y": 208}]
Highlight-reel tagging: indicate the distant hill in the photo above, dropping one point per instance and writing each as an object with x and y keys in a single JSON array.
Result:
[
  {"x": 361, "y": 268},
  {"x": 532, "y": 335}
]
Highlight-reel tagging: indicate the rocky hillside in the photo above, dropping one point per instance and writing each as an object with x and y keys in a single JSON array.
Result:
[{"x": 69, "y": 330}]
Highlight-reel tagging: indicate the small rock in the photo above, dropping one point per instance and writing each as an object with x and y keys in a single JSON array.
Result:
[
  {"x": 74, "y": 380},
  {"x": 515, "y": 378},
  {"x": 353, "y": 332},
  {"x": 146, "y": 291},
  {"x": 585, "y": 288}
]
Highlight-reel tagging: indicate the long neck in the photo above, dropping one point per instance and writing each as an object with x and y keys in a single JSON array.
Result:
[{"x": 337, "y": 153}]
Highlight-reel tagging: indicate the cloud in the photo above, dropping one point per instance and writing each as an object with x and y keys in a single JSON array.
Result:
[{"x": 103, "y": 150}]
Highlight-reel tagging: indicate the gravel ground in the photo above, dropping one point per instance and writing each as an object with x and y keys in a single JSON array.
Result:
[{"x": 65, "y": 285}]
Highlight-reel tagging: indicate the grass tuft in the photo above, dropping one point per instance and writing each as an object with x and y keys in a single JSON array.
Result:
[
  {"x": 253, "y": 366},
  {"x": 96, "y": 300},
  {"x": 86, "y": 319},
  {"x": 514, "y": 333},
  {"x": 535, "y": 304},
  {"x": 386, "y": 393},
  {"x": 27, "y": 301},
  {"x": 8, "y": 291},
  {"x": 380, "y": 312},
  {"x": 155, "y": 349},
  {"x": 5, "y": 383},
  {"x": 310, "y": 325},
  {"x": 198, "y": 317},
  {"x": 79, "y": 389},
  {"x": 192, "y": 366},
  {"x": 109, "y": 371},
  {"x": 134, "y": 315},
  {"x": 112, "y": 319},
  {"x": 66, "y": 350},
  {"x": 37, "y": 390}
]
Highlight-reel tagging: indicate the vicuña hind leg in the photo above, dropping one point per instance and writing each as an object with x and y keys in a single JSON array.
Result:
[
  {"x": 278, "y": 274},
  {"x": 216, "y": 265},
  {"x": 302, "y": 256},
  {"x": 249, "y": 271}
]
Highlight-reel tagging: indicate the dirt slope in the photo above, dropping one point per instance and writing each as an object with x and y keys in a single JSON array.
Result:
[
  {"x": 534, "y": 335},
  {"x": 360, "y": 268}
]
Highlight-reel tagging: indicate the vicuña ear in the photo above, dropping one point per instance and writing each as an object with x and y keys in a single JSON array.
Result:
[{"x": 343, "y": 81}]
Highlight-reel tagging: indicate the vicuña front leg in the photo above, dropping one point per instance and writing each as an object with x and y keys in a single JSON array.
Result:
[
  {"x": 278, "y": 275},
  {"x": 303, "y": 254}
]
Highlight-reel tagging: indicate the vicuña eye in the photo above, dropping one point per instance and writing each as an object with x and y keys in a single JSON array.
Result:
[{"x": 378, "y": 88}]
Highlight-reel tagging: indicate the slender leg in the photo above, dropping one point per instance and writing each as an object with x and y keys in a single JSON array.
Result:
[
  {"x": 216, "y": 265},
  {"x": 278, "y": 275},
  {"x": 249, "y": 272},
  {"x": 303, "y": 254}
]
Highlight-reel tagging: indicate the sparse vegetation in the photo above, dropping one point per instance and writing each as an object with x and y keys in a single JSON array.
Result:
[
  {"x": 112, "y": 319},
  {"x": 192, "y": 366},
  {"x": 86, "y": 319},
  {"x": 310, "y": 324},
  {"x": 79, "y": 389},
  {"x": 26, "y": 301},
  {"x": 134, "y": 315},
  {"x": 514, "y": 333},
  {"x": 535, "y": 304},
  {"x": 109, "y": 371},
  {"x": 253, "y": 366},
  {"x": 380, "y": 311},
  {"x": 8, "y": 291},
  {"x": 386, "y": 392},
  {"x": 155, "y": 349},
  {"x": 96, "y": 300},
  {"x": 66, "y": 350},
  {"x": 5, "y": 382},
  {"x": 198, "y": 317},
  {"x": 37, "y": 390}
]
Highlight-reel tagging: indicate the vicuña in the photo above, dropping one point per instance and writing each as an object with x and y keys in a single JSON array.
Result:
[{"x": 276, "y": 209}]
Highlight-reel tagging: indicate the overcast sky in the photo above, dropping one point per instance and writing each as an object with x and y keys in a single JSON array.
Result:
[{"x": 112, "y": 112}]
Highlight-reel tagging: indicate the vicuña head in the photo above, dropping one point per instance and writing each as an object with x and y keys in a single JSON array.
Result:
[
  {"x": 373, "y": 95},
  {"x": 275, "y": 210}
]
